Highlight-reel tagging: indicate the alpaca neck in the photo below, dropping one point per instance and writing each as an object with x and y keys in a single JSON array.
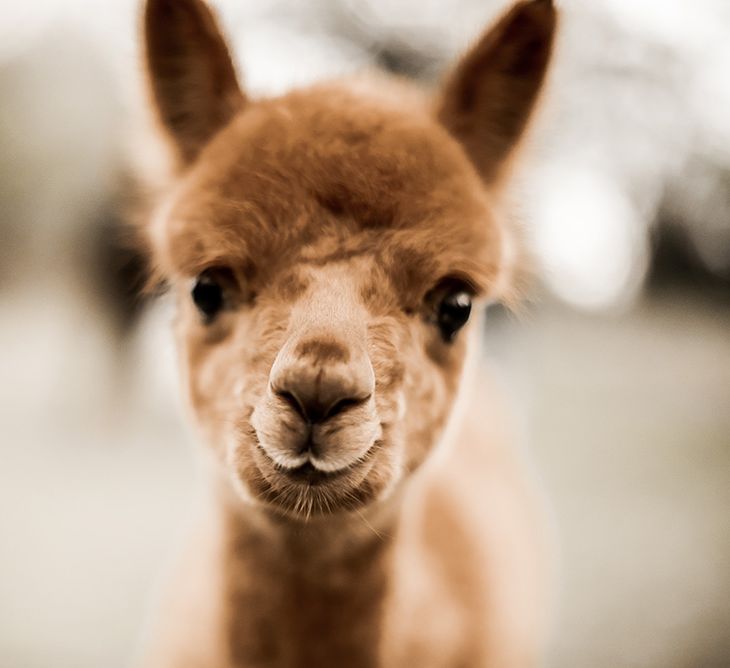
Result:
[{"x": 305, "y": 594}]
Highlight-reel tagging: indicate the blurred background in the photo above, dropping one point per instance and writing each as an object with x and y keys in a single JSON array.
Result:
[{"x": 619, "y": 370}]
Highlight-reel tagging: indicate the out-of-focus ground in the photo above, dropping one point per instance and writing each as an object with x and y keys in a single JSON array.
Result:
[
  {"x": 627, "y": 420},
  {"x": 624, "y": 405},
  {"x": 626, "y": 417}
]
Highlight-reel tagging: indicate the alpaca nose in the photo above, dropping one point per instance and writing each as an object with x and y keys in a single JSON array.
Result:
[
  {"x": 321, "y": 379},
  {"x": 315, "y": 408}
]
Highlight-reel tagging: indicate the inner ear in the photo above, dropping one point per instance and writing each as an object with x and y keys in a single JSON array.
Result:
[
  {"x": 192, "y": 77},
  {"x": 488, "y": 99}
]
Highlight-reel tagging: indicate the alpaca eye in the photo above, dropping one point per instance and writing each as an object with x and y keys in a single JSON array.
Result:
[
  {"x": 207, "y": 294},
  {"x": 449, "y": 305},
  {"x": 453, "y": 313}
]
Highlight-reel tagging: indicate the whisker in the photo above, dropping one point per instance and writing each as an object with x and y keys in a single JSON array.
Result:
[{"x": 369, "y": 526}]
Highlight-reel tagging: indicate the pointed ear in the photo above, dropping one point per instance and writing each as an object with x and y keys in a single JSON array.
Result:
[
  {"x": 487, "y": 101},
  {"x": 191, "y": 73}
]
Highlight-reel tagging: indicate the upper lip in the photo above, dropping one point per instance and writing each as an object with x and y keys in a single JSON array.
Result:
[
  {"x": 308, "y": 469},
  {"x": 310, "y": 474}
]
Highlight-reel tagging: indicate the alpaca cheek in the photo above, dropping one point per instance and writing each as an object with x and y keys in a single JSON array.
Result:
[
  {"x": 430, "y": 397},
  {"x": 213, "y": 384}
]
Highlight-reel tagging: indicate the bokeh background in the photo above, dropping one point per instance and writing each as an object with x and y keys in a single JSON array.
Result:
[{"x": 618, "y": 370}]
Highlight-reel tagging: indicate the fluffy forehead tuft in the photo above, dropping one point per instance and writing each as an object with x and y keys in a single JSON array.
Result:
[{"x": 330, "y": 168}]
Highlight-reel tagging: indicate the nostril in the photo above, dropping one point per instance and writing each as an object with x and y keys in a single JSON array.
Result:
[
  {"x": 342, "y": 405},
  {"x": 309, "y": 409},
  {"x": 293, "y": 402}
]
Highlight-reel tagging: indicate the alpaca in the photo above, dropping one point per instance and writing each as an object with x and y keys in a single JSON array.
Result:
[{"x": 331, "y": 252}]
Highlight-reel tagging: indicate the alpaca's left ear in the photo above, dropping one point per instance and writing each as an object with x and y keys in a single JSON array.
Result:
[
  {"x": 487, "y": 101},
  {"x": 191, "y": 73}
]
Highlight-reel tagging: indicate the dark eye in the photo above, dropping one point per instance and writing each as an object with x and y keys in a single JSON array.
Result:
[
  {"x": 207, "y": 294},
  {"x": 450, "y": 304}
]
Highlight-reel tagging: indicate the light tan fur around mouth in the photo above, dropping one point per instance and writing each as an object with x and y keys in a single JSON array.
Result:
[{"x": 335, "y": 237}]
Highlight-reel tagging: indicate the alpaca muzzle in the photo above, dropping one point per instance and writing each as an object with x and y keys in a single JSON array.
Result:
[{"x": 319, "y": 408}]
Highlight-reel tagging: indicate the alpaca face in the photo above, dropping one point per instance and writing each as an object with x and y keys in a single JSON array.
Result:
[
  {"x": 321, "y": 325},
  {"x": 327, "y": 249}
]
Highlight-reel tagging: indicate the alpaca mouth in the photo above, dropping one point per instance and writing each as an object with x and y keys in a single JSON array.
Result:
[
  {"x": 306, "y": 491},
  {"x": 310, "y": 474},
  {"x": 310, "y": 469}
]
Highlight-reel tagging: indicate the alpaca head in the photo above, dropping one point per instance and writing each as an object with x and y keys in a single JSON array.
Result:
[{"x": 330, "y": 250}]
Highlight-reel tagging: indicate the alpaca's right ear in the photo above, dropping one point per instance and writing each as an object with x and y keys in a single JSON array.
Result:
[{"x": 191, "y": 73}]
